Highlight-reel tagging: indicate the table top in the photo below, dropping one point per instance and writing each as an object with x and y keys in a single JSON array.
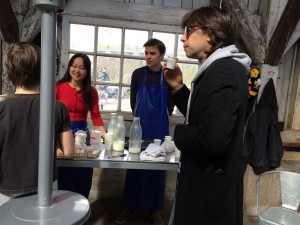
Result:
[{"x": 129, "y": 161}]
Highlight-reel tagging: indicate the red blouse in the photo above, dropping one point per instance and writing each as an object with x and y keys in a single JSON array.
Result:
[{"x": 73, "y": 99}]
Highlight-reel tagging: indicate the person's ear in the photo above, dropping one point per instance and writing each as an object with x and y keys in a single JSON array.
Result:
[{"x": 208, "y": 39}]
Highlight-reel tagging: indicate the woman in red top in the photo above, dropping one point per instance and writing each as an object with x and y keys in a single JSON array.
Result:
[{"x": 76, "y": 92}]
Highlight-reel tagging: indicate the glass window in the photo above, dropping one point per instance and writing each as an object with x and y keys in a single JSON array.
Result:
[
  {"x": 169, "y": 41},
  {"x": 134, "y": 41},
  {"x": 118, "y": 53},
  {"x": 109, "y": 40},
  {"x": 108, "y": 69},
  {"x": 82, "y": 38},
  {"x": 108, "y": 97},
  {"x": 125, "y": 103}
]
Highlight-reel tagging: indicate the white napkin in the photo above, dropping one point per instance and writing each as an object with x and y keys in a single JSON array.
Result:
[{"x": 153, "y": 153}]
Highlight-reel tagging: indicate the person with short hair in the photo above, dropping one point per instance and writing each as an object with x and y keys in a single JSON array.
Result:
[
  {"x": 144, "y": 190},
  {"x": 19, "y": 122},
  {"x": 210, "y": 181}
]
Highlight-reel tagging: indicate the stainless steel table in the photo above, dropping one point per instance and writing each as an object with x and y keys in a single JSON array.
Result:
[{"x": 130, "y": 161}]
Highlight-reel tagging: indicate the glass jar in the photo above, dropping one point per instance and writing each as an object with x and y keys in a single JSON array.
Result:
[
  {"x": 95, "y": 139},
  {"x": 119, "y": 134}
]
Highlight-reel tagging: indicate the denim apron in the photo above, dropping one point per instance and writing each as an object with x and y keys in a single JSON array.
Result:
[
  {"x": 76, "y": 179},
  {"x": 145, "y": 189}
]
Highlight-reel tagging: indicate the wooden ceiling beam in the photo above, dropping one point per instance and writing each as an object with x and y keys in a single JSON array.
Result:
[
  {"x": 8, "y": 23},
  {"x": 280, "y": 38},
  {"x": 251, "y": 36}
]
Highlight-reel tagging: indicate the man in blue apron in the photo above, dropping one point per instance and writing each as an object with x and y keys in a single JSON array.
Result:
[{"x": 145, "y": 189}]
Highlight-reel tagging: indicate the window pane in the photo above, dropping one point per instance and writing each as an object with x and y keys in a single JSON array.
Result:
[
  {"x": 134, "y": 41},
  {"x": 188, "y": 71},
  {"x": 125, "y": 102},
  {"x": 111, "y": 66},
  {"x": 129, "y": 66},
  {"x": 108, "y": 97},
  {"x": 82, "y": 37},
  {"x": 109, "y": 40},
  {"x": 102, "y": 75},
  {"x": 169, "y": 41}
]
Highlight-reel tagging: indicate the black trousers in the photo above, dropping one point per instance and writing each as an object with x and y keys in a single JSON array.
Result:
[{"x": 75, "y": 179}]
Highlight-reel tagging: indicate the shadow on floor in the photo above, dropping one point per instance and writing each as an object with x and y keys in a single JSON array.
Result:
[{"x": 104, "y": 211}]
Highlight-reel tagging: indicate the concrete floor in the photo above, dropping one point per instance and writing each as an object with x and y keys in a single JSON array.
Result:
[{"x": 103, "y": 212}]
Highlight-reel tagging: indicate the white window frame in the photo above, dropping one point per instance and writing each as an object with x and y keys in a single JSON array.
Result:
[{"x": 65, "y": 43}]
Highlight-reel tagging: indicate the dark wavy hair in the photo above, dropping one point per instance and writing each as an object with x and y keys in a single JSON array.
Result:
[
  {"x": 87, "y": 86},
  {"x": 218, "y": 24}
]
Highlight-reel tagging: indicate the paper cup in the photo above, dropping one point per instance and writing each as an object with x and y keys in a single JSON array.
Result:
[
  {"x": 177, "y": 152},
  {"x": 171, "y": 62},
  {"x": 157, "y": 142}
]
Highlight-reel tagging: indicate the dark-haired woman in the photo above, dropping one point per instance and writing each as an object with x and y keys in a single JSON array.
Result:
[{"x": 76, "y": 92}]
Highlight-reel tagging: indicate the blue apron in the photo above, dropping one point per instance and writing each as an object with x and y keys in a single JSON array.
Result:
[
  {"x": 145, "y": 189},
  {"x": 76, "y": 179}
]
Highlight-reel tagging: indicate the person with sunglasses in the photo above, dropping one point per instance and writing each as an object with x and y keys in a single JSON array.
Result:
[{"x": 210, "y": 181}]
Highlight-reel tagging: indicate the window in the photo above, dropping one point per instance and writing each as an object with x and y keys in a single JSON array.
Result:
[{"x": 116, "y": 51}]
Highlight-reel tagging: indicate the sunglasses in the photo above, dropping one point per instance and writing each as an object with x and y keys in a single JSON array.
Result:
[{"x": 188, "y": 30}]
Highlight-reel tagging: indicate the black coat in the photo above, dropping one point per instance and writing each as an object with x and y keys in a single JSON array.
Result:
[
  {"x": 263, "y": 144},
  {"x": 210, "y": 182}
]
